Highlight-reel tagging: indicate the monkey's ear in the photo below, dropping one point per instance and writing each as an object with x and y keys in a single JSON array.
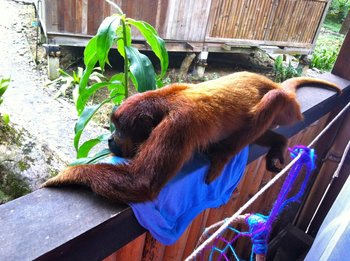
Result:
[{"x": 143, "y": 126}]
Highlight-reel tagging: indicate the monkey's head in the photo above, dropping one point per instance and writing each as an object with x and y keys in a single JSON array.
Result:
[
  {"x": 290, "y": 114},
  {"x": 134, "y": 121}
]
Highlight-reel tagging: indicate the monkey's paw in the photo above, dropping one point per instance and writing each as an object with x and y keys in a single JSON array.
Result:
[{"x": 63, "y": 178}]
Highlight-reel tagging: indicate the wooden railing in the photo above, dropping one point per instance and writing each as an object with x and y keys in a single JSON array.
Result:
[{"x": 74, "y": 224}]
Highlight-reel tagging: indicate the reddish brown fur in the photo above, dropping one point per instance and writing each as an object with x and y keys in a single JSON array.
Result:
[{"x": 161, "y": 129}]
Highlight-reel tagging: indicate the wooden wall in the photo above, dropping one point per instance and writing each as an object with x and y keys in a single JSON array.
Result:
[
  {"x": 146, "y": 247},
  {"x": 267, "y": 20},
  {"x": 279, "y": 22}
]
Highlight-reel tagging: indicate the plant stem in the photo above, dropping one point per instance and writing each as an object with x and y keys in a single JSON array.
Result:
[{"x": 126, "y": 61}]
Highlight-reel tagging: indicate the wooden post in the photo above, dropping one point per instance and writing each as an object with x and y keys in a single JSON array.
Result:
[{"x": 341, "y": 67}]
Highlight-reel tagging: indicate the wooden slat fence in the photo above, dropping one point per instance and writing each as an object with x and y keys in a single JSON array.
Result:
[
  {"x": 274, "y": 22},
  {"x": 146, "y": 247}
]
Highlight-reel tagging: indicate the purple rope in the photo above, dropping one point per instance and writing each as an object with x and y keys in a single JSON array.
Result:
[{"x": 259, "y": 225}]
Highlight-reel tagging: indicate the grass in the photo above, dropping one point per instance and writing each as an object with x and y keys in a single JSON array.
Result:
[
  {"x": 327, "y": 47},
  {"x": 331, "y": 25}
]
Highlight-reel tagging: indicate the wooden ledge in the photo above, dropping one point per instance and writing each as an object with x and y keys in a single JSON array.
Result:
[{"x": 72, "y": 223}]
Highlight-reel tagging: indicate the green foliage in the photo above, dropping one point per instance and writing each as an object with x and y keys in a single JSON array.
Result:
[
  {"x": 67, "y": 81},
  {"x": 138, "y": 69},
  {"x": 338, "y": 11},
  {"x": 283, "y": 72},
  {"x": 326, "y": 52},
  {"x": 4, "y": 83}
]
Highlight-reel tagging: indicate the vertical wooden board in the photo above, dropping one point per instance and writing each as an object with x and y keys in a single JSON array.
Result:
[
  {"x": 131, "y": 251},
  {"x": 84, "y": 16},
  {"x": 106, "y": 10},
  {"x": 175, "y": 251},
  {"x": 196, "y": 230},
  {"x": 94, "y": 15},
  {"x": 67, "y": 15},
  {"x": 243, "y": 19},
  {"x": 187, "y": 20},
  {"x": 113, "y": 10},
  {"x": 73, "y": 16},
  {"x": 112, "y": 257},
  {"x": 79, "y": 13},
  {"x": 143, "y": 10},
  {"x": 50, "y": 16},
  {"x": 60, "y": 15},
  {"x": 162, "y": 9},
  {"x": 153, "y": 250}
]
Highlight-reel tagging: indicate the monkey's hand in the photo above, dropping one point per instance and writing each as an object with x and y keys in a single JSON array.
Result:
[
  {"x": 65, "y": 177},
  {"x": 274, "y": 158}
]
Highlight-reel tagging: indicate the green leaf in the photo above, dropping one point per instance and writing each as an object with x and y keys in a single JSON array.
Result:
[
  {"x": 90, "y": 53},
  {"x": 142, "y": 69},
  {"x": 3, "y": 88},
  {"x": 105, "y": 38},
  {"x": 120, "y": 39},
  {"x": 84, "y": 119},
  {"x": 90, "y": 160},
  {"x": 85, "y": 148},
  {"x": 6, "y": 118},
  {"x": 156, "y": 43},
  {"x": 87, "y": 93}
]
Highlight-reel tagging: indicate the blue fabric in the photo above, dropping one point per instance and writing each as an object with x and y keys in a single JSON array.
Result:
[{"x": 186, "y": 195}]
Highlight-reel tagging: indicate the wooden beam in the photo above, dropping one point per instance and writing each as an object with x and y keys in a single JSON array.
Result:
[
  {"x": 72, "y": 223},
  {"x": 342, "y": 65}
]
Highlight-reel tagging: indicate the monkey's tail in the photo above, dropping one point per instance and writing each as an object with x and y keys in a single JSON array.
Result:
[{"x": 292, "y": 84}]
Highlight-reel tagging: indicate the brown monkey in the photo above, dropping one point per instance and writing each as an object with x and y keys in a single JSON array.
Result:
[{"x": 161, "y": 129}]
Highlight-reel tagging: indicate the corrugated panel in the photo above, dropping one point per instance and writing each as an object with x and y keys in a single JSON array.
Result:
[
  {"x": 295, "y": 21},
  {"x": 267, "y": 20},
  {"x": 243, "y": 19}
]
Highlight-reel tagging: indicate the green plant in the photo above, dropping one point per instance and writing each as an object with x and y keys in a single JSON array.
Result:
[
  {"x": 338, "y": 11},
  {"x": 4, "y": 83},
  {"x": 67, "y": 81},
  {"x": 138, "y": 69},
  {"x": 283, "y": 72},
  {"x": 326, "y": 52}
]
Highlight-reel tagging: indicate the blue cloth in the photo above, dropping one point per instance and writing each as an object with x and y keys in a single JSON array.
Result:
[{"x": 186, "y": 195}]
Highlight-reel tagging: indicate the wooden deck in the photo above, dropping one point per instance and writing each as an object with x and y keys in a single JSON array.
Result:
[{"x": 207, "y": 23}]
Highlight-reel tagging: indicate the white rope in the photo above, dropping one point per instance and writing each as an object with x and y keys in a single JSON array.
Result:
[
  {"x": 228, "y": 221},
  {"x": 335, "y": 175},
  {"x": 329, "y": 125}
]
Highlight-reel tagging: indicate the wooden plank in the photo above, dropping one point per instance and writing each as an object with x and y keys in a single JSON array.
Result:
[
  {"x": 67, "y": 15},
  {"x": 185, "y": 20},
  {"x": 66, "y": 223},
  {"x": 174, "y": 252},
  {"x": 324, "y": 13},
  {"x": 196, "y": 230},
  {"x": 84, "y": 17},
  {"x": 325, "y": 175},
  {"x": 132, "y": 250},
  {"x": 61, "y": 15},
  {"x": 248, "y": 42},
  {"x": 79, "y": 15},
  {"x": 153, "y": 250},
  {"x": 341, "y": 66}
]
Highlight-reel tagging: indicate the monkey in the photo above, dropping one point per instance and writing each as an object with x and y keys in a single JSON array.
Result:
[{"x": 159, "y": 131}]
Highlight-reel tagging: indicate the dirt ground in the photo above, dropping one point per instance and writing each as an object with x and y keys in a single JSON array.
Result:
[{"x": 47, "y": 124}]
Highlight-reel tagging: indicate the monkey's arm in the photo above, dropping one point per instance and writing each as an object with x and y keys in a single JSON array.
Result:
[
  {"x": 108, "y": 180},
  {"x": 157, "y": 160},
  {"x": 277, "y": 144}
]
